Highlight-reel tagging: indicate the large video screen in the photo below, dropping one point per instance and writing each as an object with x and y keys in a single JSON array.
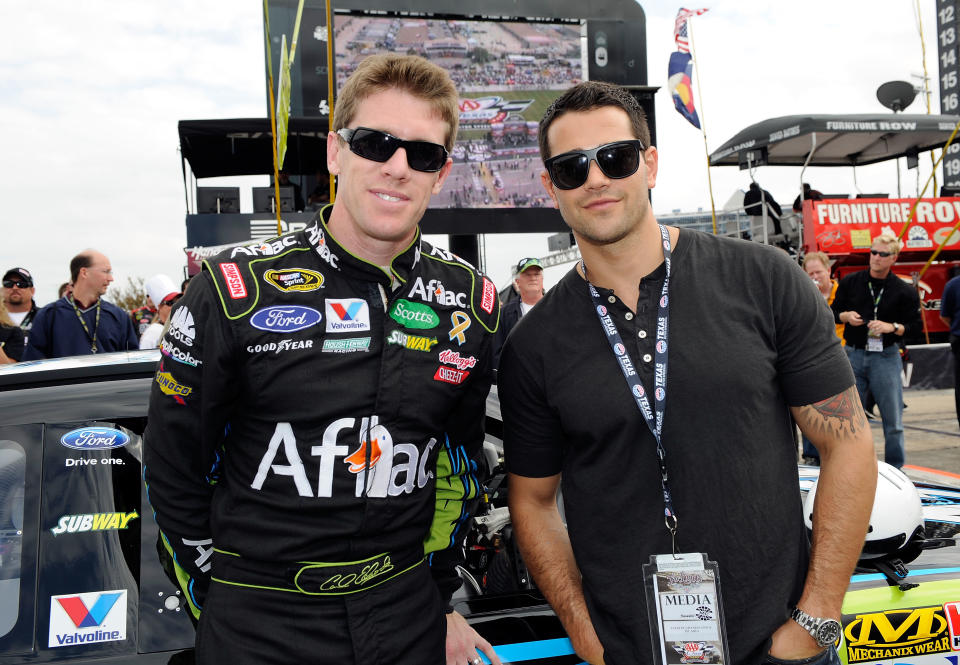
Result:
[{"x": 507, "y": 73}]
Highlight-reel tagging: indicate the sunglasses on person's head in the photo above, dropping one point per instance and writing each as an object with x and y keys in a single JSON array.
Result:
[
  {"x": 379, "y": 146},
  {"x": 617, "y": 160},
  {"x": 10, "y": 283},
  {"x": 877, "y": 252}
]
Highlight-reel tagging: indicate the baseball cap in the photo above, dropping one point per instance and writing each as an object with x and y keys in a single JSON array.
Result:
[
  {"x": 22, "y": 273},
  {"x": 528, "y": 263},
  {"x": 160, "y": 288}
]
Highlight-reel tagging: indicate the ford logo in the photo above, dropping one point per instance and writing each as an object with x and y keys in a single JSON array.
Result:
[
  {"x": 285, "y": 319},
  {"x": 94, "y": 438}
]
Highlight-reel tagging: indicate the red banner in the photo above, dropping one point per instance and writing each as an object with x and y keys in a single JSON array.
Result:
[{"x": 845, "y": 226}]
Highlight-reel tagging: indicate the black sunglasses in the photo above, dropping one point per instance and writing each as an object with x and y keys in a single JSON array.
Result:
[
  {"x": 877, "y": 252},
  {"x": 619, "y": 159},
  {"x": 379, "y": 146},
  {"x": 10, "y": 283}
]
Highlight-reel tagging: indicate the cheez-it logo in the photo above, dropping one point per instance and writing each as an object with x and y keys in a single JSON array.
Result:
[{"x": 235, "y": 286}]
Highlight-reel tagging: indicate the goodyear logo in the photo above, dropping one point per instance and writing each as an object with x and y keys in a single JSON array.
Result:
[
  {"x": 93, "y": 522},
  {"x": 895, "y": 634},
  {"x": 414, "y": 342},
  {"x": 294, "y": 279}
]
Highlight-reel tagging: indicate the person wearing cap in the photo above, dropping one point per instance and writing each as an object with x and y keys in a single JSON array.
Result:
[
  {"x": 82, "y": 323},
  {"x": 528, "y": 283},
  {"x": 144, "y": 315},
  {"x": 18, "y": 292},
  {"x": 161, "y": 290}
]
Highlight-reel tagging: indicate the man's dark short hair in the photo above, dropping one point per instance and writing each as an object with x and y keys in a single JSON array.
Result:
[
  {"x": 81, "y": 260},
  {"x": 590, "y": 95}
]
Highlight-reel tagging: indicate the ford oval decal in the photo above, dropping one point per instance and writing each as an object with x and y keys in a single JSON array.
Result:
[
  {"x": 94, "y": 438},
  {"x": 285, "y": 318}
]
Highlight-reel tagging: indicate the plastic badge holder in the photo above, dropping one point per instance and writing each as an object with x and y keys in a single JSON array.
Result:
[{"x": 685, "y": 610}]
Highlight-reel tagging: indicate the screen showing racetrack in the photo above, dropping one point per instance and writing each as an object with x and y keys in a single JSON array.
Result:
[{"x": 507, "y": 73}]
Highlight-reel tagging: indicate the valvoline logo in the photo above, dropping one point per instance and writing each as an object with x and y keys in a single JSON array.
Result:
[
  {"x": 85, "y": 618},
  {"x": 94, "y": 438},
  {"x": 285, "y": 318}
]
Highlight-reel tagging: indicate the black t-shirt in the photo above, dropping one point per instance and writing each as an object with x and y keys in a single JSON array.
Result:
[{"x": 748, "y": 336}]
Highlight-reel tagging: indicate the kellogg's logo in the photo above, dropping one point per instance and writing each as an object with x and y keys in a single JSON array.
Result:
[
  {"x": 94, "y": 438},
  {"x": 285, "y": 319},
  {"x": 294, "y": 279}
]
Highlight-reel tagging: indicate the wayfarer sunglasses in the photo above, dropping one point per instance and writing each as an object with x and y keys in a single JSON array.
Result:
[
  {"x": 379, "y": 146},
  {"x": 619, "y": 159}
]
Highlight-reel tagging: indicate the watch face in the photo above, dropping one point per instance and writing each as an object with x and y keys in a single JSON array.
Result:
[{"x": 828, "y": 633}]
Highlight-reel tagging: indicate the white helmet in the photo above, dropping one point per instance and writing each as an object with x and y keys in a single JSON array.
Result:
[{"x": 896, "y": 521}]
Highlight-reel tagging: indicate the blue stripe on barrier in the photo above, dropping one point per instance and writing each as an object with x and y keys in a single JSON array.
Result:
[
  {"x": 521, "y": 651},
  {"x": 872, "y": 577}
]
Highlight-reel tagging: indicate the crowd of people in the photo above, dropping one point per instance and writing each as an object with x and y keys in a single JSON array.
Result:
[{"x": 81, "y": 321}]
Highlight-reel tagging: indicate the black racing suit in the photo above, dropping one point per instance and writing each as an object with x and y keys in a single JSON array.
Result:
[{"x": 310, "y": 407}]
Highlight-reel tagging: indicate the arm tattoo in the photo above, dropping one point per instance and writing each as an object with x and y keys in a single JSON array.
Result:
[{"x": 840, "y": 415}]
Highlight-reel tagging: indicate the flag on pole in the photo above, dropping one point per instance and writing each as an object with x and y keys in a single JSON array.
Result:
[
  {"x": 283, "y": 87},
  {"x": 680, "y": 69},
  {"x": 680, "y": 34},
  {"x": 680, "y": 85}
]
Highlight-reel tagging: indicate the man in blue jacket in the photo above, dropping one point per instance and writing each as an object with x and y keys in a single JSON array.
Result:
[{"x": 82, "y": 323}]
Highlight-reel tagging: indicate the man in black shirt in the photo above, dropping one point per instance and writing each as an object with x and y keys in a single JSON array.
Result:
[
  {"x": 753, "y": 202},
  {"x": 574, "y": 376},
  {"x": 879, "y": 309}
]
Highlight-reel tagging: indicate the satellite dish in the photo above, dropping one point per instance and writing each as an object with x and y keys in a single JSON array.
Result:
[{"x": 896, "y": 95}]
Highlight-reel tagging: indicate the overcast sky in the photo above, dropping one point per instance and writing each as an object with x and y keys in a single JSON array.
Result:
[{"x": 90, "y": 96}]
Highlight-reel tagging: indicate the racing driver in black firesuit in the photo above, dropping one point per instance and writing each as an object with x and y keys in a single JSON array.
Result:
[{"x": 318, "y": 411}]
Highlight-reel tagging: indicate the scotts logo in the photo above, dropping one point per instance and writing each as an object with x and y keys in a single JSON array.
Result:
[
  {"x": 93, "y": 522},
  {"x": 235, "y": 286},
  {"x": 181, "y": 326},
  {"x": 434, "y": 291},
  {"x": 85, "y": 618},
  {"x": 94, "y": 438},
  {"x": 382, "y": 468},
  {"x": 294, "y": 279},
  {"x": 347, "y": 315},
  {"x": 454, "y": 358},
  {"x": 414, "y": 315},
  {"x": 413, "y": 342},
  {"x": 175, "y": 353},
  {"x": 285, "y": 319},
  {"x": 450, "y": 375},
  {"x": 897, "y": 634}
]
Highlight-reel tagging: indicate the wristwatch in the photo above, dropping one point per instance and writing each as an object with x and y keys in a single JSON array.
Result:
[
  {"x": 896, "y": 326},
  {"x": 824, "y": 631}
]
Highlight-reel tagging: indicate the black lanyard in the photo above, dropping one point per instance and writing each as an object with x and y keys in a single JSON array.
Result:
[
  {"x": 96, "y": 326},
  {"x": 654, "y": 416},
  {"x": 876, "y": 298}
]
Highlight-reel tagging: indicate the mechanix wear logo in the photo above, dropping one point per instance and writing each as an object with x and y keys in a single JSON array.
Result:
[
  {"x": 386, "y": 469},
  {"x": 414, "y": 315},
  {"x": 93, "y": 522},
  {"x": 905, "y": 633},
  {"x": 294, "y": 279},
  {"x": 413, "y": 342},
  {"x": 434, "y": 291}
]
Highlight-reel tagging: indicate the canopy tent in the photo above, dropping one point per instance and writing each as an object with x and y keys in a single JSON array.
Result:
[
  {"x": 836, "y": 140},
  {"x": 241, "y": 146}
]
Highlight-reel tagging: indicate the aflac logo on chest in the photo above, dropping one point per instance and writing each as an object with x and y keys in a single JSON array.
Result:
[
  {"x": 434, "y": 291},
  {"x": 285, "y": 319},
  {"x": 94, "y": 438}
]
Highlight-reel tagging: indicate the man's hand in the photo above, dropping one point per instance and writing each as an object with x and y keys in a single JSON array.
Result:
[
  {"x": 463, "y": 642},
  {"x": 851, "y": 318},
  {"x": 792, "y": 642}
]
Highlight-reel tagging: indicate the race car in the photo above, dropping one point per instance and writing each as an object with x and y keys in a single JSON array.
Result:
[{"x": 80, "y": 578}]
